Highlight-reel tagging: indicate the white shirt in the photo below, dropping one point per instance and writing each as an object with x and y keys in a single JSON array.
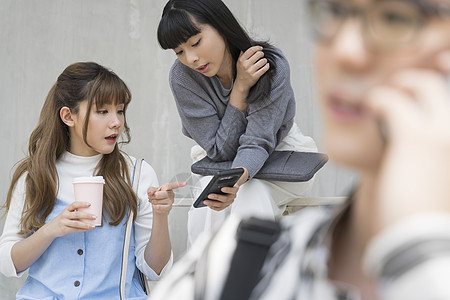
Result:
[{"x": 68, "y": 167}]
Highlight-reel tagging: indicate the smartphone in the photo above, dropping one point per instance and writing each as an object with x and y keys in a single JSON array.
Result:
[{"x": 221, "y": 179}]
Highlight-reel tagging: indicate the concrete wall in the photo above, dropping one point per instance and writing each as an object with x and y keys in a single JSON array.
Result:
[{"x": 41, "y": 37}]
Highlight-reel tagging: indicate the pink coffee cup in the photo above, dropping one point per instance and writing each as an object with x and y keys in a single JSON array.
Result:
[{"x": 90, "y": 189}]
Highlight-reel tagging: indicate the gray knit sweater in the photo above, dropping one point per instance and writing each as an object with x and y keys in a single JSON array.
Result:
[{"x": 224, "y": 132}]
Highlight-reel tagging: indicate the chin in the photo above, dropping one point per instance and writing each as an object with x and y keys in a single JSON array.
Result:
[
  {"x": 105, "y": 151},
  {"x": 108, "y": 151}
]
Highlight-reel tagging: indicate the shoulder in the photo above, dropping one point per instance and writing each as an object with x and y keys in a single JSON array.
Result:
[
  {"x": 147, "y": 170},
  {"x": 281, "y": 92},
  {"x": 308, "y": 219},
  {"x": 184, "y": 76},
  {"x": 281, "y": 65},
  {"x": 20, "y": 185},
  {"x": 280, "y": 58},
  {"x": 187, "y": 84},
  {"x": 18, "y": 195},
  {"x": 177, "y": 69},
  {"x": 298, "y": 253}
]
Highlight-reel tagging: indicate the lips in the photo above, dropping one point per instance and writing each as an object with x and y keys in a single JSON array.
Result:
[
  {"x": 203, "y": 68},
  {"x": 345, "y": 107},
  {"x": 112, "y": 138}
]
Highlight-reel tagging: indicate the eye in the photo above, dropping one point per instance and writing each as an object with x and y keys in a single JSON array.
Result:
[
  {"x": 196, "y": 44},
  {"x": 178, "y": 53},
  {"x": 334, "y": 9},
  {"x": 394, "y": 18},
  {"x": 102, "y": 111},
  {"x": 121, "y": 111}
]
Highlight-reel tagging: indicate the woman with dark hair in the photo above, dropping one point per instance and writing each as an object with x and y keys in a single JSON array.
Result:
[{"x": 235, "y": 100}]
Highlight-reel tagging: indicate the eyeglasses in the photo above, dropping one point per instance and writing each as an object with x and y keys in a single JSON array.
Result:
[{"x": 386, "y": 23}]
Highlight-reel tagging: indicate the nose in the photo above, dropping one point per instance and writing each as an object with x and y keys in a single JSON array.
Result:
[
  {"x": 349, "y": 47},
  {"x": 115, "y": 121},
  {"x": 191, "y": 57}
]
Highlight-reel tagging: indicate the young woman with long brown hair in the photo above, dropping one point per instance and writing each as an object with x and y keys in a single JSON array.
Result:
[{"x": 78, "y": 134}]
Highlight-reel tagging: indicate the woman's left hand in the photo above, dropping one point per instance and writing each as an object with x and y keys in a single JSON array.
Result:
[
  {"x": 219, "y": 202},
  {"x": 162, "y": 198}
]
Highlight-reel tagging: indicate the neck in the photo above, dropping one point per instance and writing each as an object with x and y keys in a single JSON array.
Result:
[
  {"x": 357, "y": 228},
  {"x": 226, "y": 71},
  {"x": 351, "y": 238},
  {"x": 363, "y": 208},
  {"x": 350, "y": 235}
]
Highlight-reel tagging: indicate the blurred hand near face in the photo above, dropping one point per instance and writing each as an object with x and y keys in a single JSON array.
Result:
[{"x": 414, "y": 106}]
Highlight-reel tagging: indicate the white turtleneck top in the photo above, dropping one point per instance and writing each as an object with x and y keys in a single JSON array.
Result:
[{"x": 68, "y": 167}]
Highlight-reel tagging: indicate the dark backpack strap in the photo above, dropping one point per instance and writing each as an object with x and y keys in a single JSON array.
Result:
[{"x": 254, "y": 239}]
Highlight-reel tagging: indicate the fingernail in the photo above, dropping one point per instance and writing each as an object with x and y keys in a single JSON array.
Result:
[{"x": 94, "y": 217}]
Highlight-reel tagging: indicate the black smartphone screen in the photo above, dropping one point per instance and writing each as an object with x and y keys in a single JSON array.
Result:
[{"x": 220, "y": 180}]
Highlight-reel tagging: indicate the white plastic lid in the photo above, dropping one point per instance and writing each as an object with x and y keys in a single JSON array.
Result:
[{"x": 89, "y": 179}]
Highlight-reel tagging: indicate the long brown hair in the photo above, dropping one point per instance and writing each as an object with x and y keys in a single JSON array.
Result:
[{"x": 50, "y": 139}]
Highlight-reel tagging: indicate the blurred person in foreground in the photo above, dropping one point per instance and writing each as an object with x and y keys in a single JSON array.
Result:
[{"x": 382, "y": 71}]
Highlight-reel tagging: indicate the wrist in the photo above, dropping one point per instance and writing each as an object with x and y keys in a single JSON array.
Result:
[
  {"x": 160, "y": 215},
  {"x": 244, "y": 177},
  {"x": 238, "y": 98},
  {"x": 240, "y": 88},
  {"x": 46, "y": 233},
  {"x": 160, "y": 221}
]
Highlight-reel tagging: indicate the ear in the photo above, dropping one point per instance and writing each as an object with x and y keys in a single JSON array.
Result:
[{"x": 66, "y": 116}]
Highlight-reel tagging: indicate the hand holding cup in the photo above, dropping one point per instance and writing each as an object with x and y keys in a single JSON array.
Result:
[{"x": 90, "y": 190}]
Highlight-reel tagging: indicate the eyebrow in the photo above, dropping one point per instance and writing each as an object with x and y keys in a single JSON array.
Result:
[{"x": 442, "y": 8}]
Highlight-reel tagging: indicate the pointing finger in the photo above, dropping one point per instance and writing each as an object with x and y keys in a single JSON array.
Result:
[{"x": 171, "y": 186}]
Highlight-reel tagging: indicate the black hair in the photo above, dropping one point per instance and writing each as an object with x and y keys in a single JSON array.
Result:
[{"x": 179, "y": 22}]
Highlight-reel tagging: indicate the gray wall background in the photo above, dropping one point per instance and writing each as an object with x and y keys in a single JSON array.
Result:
[{"x": 39, "y": 38}]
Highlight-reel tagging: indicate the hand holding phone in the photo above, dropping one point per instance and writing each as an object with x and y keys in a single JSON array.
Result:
[{"x": 227, "y": 178}]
